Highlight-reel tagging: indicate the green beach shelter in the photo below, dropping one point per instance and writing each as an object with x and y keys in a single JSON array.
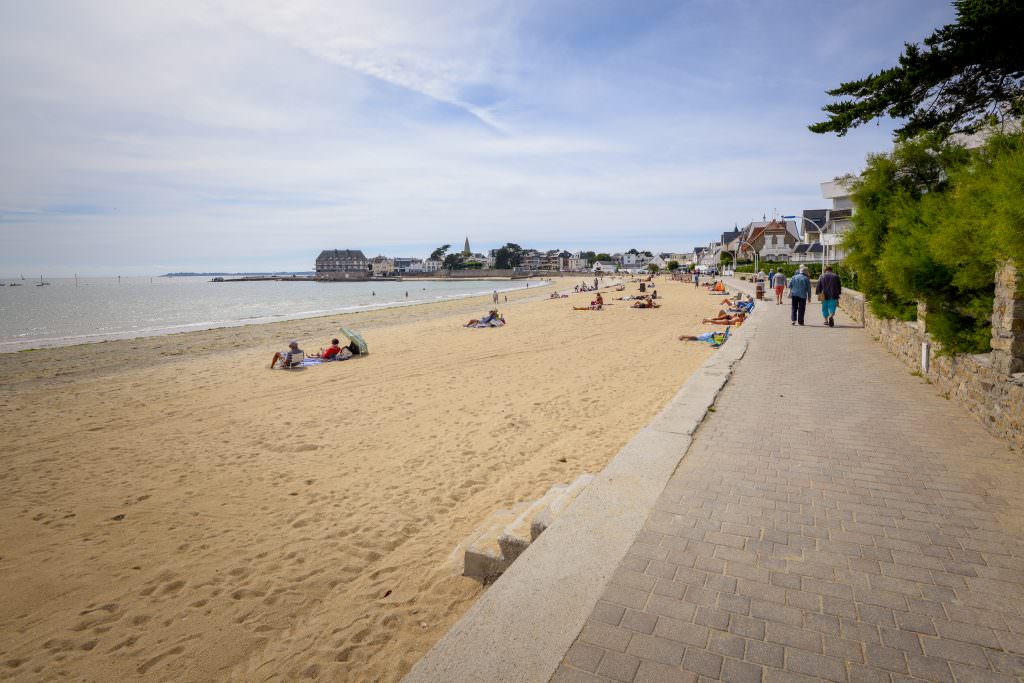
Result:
[{"x": 358, "y": 339}]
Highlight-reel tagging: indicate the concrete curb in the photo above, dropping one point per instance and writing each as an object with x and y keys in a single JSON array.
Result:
[{"x": 521, "y": 628}]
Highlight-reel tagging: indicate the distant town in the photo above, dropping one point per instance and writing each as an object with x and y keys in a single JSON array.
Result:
[{"x": 811, "y": 237}]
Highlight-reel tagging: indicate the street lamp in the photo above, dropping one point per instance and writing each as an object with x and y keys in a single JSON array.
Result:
[
  {"x": 755, "y": 256},
  {"x": 821, "y": 233}
]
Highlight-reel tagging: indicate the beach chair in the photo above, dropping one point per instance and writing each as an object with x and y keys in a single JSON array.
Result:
[
  {"x": 725, "y": 338},
  {"x": 295, "y": 362}
]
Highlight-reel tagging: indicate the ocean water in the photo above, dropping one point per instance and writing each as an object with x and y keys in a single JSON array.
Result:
[{"x": 98, "y": 309}]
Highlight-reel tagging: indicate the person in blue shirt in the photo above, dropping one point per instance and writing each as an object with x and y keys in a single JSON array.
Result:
[{"x": 799, "y": 291}]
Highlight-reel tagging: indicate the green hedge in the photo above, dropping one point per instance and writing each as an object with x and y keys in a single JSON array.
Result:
[
  {"x": 848, "y": 276},
  {"x": 932, "y": 221}
]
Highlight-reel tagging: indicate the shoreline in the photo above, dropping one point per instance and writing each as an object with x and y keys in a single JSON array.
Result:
[
  {"x": 79, "y": 340},
  {"x": 175, "y": 511}
]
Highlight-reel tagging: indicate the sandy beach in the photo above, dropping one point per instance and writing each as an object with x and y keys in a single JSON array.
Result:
[{"x": 173, "y": 510}]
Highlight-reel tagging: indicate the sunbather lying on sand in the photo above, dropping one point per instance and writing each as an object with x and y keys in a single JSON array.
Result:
[
  {"x": 646, "y": 303},
  {"x": 596, "y": 305},
  {"x": 726, "y": 319},
  {"x": 704, "y": 336},
  {"x": 492, "y": 319}
]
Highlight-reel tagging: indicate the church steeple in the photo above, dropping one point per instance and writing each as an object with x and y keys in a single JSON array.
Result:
[{"x": 465, "y": 248}]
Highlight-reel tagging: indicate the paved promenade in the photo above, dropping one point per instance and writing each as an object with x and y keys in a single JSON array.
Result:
[{"x": 835, "y": 520}]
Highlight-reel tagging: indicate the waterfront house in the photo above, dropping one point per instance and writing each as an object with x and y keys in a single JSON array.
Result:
[
  {"x": 341, "y": 264},
  {"x": 405, "y": 265},
  {"x": 773, "y": 240},
  {"x": 604, "y": 267},
  {"x": 838, "y": 219},
  {"x": 572, "y": 263},
  {"x": 382, "y": 266}
]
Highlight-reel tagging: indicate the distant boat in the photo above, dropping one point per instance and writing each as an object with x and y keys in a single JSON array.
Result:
[
  {"x": 15, "y": 284},
  {"x": 41, "y": 283}
]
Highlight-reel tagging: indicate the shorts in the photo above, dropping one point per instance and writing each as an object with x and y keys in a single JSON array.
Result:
[{"x": 779, "y": 289}]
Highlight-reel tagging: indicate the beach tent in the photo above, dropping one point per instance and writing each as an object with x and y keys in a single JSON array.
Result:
[{"x": 357, "y": 338}]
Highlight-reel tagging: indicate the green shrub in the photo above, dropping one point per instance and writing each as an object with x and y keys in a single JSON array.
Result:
[
  {"x": 848, "y": 276},
  {"x": 932, "y": 221}
]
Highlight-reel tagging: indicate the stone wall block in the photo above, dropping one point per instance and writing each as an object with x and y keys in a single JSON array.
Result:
[{"x": 1008, "y": 320}]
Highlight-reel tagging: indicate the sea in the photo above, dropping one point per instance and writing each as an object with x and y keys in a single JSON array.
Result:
[{"x": 76, "y": 311}]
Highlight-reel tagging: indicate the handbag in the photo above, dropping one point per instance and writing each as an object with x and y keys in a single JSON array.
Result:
[{"x": 821, "y": 296}]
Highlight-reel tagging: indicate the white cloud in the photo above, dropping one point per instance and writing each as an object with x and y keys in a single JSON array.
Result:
[{"x": 227, "y": 124}]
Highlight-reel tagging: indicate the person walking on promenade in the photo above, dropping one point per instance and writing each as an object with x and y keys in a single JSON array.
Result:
[
  {"x": 799, "y": 290},
  {"x": 829, "y": 288},
  {"x": 779, "y": 282}
]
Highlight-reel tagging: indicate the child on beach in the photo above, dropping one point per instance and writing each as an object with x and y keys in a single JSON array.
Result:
[{"x": 334, "y": 352}]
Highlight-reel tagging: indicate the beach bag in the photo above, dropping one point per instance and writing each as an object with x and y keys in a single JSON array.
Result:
[{"x": 821, "y": 296}]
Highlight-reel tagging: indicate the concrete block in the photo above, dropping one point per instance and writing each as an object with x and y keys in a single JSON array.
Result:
[
  {"x": 557, "y": 505},
  {"x": 483, "y": 558},
  {"x": 517, "y": 536}
]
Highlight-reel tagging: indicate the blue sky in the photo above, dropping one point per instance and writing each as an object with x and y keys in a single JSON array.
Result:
[{"x": 141, "y": 137}]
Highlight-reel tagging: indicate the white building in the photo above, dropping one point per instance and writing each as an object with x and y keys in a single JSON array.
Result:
[
  {"x": 571, "y": 263},
  {"x": 408, "y": 265},
  {"x": 604, "y": 267},
  {"x": 631, "y": 260},
  {"x": 432, "y": 265},
  {"x": 838, "y": 219}
]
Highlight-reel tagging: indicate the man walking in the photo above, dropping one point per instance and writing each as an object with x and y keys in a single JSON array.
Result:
[
  {"x": 779, "y": 282},
  {"x": 829, "y": 287},
  {"x": 799, "y": 290}
]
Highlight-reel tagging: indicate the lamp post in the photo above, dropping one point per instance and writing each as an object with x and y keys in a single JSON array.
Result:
[
  {"x": 821, "y": 233},
  {"x": 755, "y": 256}
]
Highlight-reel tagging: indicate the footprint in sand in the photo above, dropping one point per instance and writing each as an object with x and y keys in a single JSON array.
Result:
[{"x": 153, "y": 661}]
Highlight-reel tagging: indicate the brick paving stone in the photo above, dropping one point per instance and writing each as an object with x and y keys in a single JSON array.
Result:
[
  {"x": 815, "y": 665},
  {"x": 583, "y": 656},
  {"x": 565, "y": 674},
  {"x": 702, "y": 662},
  {"x": 727, "y": 644},
  {"x": 871, "y": 546},
  {"x": 930, "y": 668},
  {"x": 865, "y": 674},
  {"x": 656, "y": 649},
  {"x": 618, "y": 666},
  {"x": 683, "y": 632},
  {"x": 653, "y": 672},
  {"x": 847, "y": 650},
  {"x": 793, "y": 637},
  {"x": 747, "y": 627},
  {"x": 711, "y": 617},
  {"x": 641, "y": 622},
  {"x": 955, "y": 651},
  {"x": 608, "y": 613},
  {"x": 734, "y": 671},
  {"x": 969, "y": 674},
  {"x": 603, "y": 635}
]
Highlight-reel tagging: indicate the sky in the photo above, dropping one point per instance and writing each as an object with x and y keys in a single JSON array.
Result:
[{"x": 140, "y": 137}]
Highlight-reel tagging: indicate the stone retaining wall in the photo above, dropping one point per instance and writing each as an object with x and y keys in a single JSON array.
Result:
[{"x": 996, "y": 399}]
